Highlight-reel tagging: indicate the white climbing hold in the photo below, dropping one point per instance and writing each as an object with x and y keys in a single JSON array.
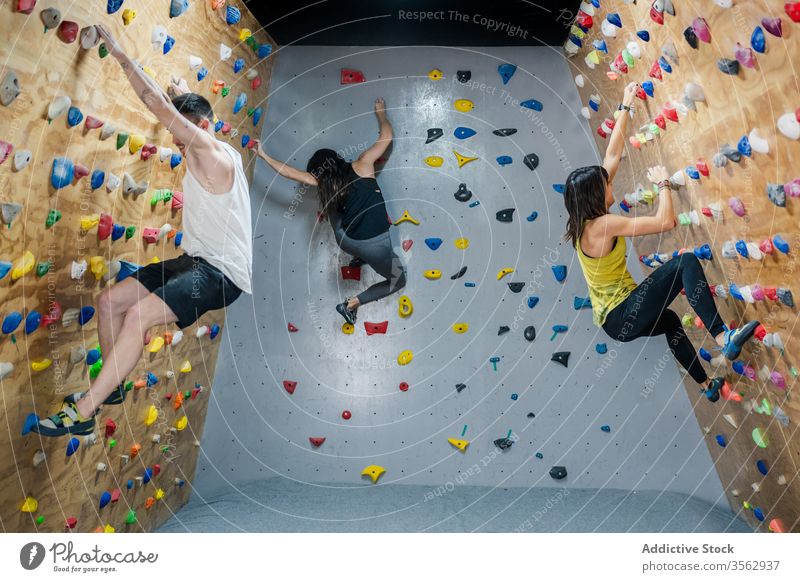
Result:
[
  {"x": 195, "y": 62},
  {"x": 164, "y": 231},
  {"x": 789, "y": 126},
  {"x": 252, "y": 74},
  {"x": 21, "y": 159},
  {"x": 225, "y": 51},
  {"x": 107, "y": 131},
  {"x": 724, "y": 3},
  {"x": 89, "y": 37},
  {"x": 678, "y": 178},
  {"x": 670, "y": 51},
  {"x": 716, "y": 211},
  {"x": 39, "y": 457},
  {"x": 114, "y": 268},
  {"x": 781, "y": 479},
  {"x": 176, "y": 338},
  {"x": 158, "y": 36},
  {"x": 579, "y": 81},
  {"x": 77, "y": 270},
  {"x": 730, "y": 420},
  {"x": 201, "y": 331},
  {"x": 112, "y": 182},
  {"x": 78, "y": 353},
  {"x": 588, "y": 8},
  {"x": 634, "y": 49},
  {"x": 759, "y": 144},
  {"x": 58, "y": 107},
  {"x": 694, "y": 92},
  {"x": 586, "y": 113},
  {"x": 5, "y": 369},
  {"x": 608, "y": 29},
  {"x": 164, "y": 154}
]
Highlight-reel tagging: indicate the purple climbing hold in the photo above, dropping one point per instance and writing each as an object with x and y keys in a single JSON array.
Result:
[
  {"x": 774, "y": 26},
  {"x": 559, "y": 272}
]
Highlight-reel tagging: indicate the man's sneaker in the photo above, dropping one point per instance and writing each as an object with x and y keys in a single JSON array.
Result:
[
  {"x": 712, "y": 391},
  {"x": 736, "y": 338},
  {"x": 348, "y": 314}
]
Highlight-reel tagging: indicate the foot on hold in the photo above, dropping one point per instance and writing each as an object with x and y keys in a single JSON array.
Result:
[
  {"x": 348, "y": 314},
  {"x": 356, "y": 263},
  {"x": 714, "y": 386},
  {"x": 736, "y": 338},
  {"x": 66, "y": 421}
]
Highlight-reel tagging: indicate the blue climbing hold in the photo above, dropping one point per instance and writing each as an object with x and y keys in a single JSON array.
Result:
[
  {"x": 605, "y": 428},
  {"x": 178, "y": 7},
  {"x": 575, "y": 39},
  {"x": 758, "y": 40},
  {"x": 532, "y": 301},
  {"x": 557, "y": 329},
  {"x": 5, "y": 267},
  {"x": 744, "y": 146},
  {"x": 232, "y": 15},
  {"x": 169, "y": 42},
  {"x": 738, "y": 367},
  {"x": 733, "y": 289},
  {"x": 74, "y": 116},
  {"x": 532, "y": 104},
  {"x": 600, "y": 45},
  {"x": 72, "y": 446},
  {"x": 175, "y": 161},
  {"x": 624, "y": 206},
  {"x": 664, "y": 64},
  {"x": 202, "y": 73},
  {"x": 506, "y": 71},
  {"x": 98, "y": 178},
  {"x": 516, "y": 396},
  {"x": 533, "y": 216},
  {"x": 720, "y": 440},
  {"x": 560, "y": 188},
  {"x": 644, "y": 35},
  {"x": 649, "y": 88},
  {"x": 87, "y": 313},
  {"x": 741, "y": 248},
  {"x": 113, "y": 5},
  {"x": 148, "y": 474},
  {"x": 129, "y": 484},
  {"x": 30, "y": 421},
  {"x": 245, "y": 140},
  {"x": 504, "y": 160},
  {"x": 780, "y": 244},
  {"x": 539, "y": 456},
  {"x": 601, "y": 348},
  {"x": 705, "y": 354},
  {"x": 32, "y": 321},
  {"x": 105, "y": 499},
  {"x": 614, "y": 19},
  {"x": 126, "y": 269},
  {"x": 238, "y": 65},
  {"x": 433, "y": 243},
  {"x": 241, "y": 101},
  {"x": 152, "y": 379},
  {"x": 257, "y": 113},
  {"x": 214, "y": 331},
  {"x": 560, "y": 272},
  {"x": 117, "y": 231},
  {"x": 92, "y": 356},
  {"x": 63, "y": 172},
  {"x": 178, "y": 239},
  {"x": 464, "y": 132},
  {"x": 474, "y": 203},
  {"x": 11, "y": 322},
  {"x": 469, "y": 284},
  {"x": 758, "y": 512},
  {"x": 704, "y": 252},
  {"x": 581, "y": 302},
  {"x": 693, "y": 173},
  {"x": 264, "y": 50},
  {"x": 762, "y": 467}
]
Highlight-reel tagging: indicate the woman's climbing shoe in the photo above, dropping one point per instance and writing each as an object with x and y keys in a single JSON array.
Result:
[
  {"x": 713, "y": 388},
  {"x": 348, "y": 314},
  {"x": 66, "y": 421},
  {"x": 736, "y": 338}
]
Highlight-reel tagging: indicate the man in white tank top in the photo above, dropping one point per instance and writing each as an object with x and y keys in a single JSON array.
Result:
[{"x": 214, "y": 270}]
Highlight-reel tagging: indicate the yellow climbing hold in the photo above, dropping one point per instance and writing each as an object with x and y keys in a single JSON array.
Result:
[
  {"x": 153, "y": 261},
  {"x": 405, "y": 307},
  {"x": 406, "y": 217},
  {"x": 461, "y": 243},
  {"x": 98, "y": 266},
  {"x": 436, "y": 75},
  {"x": 160, "y": 494},
  {"x": 348, "y": 328},
  {"x": 128, "y": 15},
  {"x": 89, "y": 222},
  {"x": 463, "y": 160},
  {"x": 593, "y": 58},
  {"x": 150, "y": 72},
  {"x": 503, "y": 272},
  {"x": 151, "y": 416},
  {"x": 460, "y": 444},
  {"x": 135, "y": 142},
  {"x": 39, "y": 365},
  {"x": 405, "y": 357},
  {"x": 182, "y": 422},
  {"x": 434, "y": 161},
  {"x": 155, "y": 344},
  {"x": 760, "y": 438},
  {"x": 109, "y": 528},
  {"x": 244, "y": 34},
  {"x": 23, "y": 266},
  {"x": 433, "y": 274},
  {"x": 30, "y": 505},
  {"x": 374, "y": 472},
  {"x": 186, "y": 367},
  {"x": 460, "y": 327},
  {"x": 464, "y": 105}
]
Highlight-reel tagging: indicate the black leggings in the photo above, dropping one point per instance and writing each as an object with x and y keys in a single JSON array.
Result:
[{"x": 644, "y": 312}]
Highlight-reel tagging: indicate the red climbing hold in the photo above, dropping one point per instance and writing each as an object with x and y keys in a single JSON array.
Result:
[
  {"x": 115, "y": 494},
  {"x": 292, "y": 327},
  {"x": 346, "y": 414},
  {"x": 316, "y": 441},
  {"x": 53, "y": 315},
  {"x": 660, "y": 121},
  {"x": 226, "y": 128},
  {"x": 655, "y": 71},
  {"x": 353, "y": 273},
  {"x": 656, "y": 16},
  {"x": 68, "y": 31},
  {"x": 255, "y": 83},
  {"x": 407, "y": 244},
  {"x": 760, "y": 332},
  {"x": 793, "y": 10},
  {"x": 702, "y": 167},
  {"x": 111, "y": 427},
  {"x": 71, "y": 523},
  {"x": 771, "y": 293},
  {"x": 177, "y": 200},
  {"x": 584, "y": 20},
  {"x": 641, "y": 93},
  {"x": 93, "y": 123},
  {"x": 289, "y": 386},
  {"x": 104, "y": 226},
  {"x": 403, "y": 386},
  {"x": 25, "y": 6},
  {"x": 670, "y": 113},
  {"x": 150, "y": 235},
  {"x": 156, "y": 470},
  {"x": 373, "y": 328},
  {"x": 148, "y": 150},
  {"x": 351, "y": 76}
]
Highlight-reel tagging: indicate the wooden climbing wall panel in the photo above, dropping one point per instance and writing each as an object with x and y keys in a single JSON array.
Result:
[
  {"x": 64, "y": 486},
  {"x": 754, "y": 99}
]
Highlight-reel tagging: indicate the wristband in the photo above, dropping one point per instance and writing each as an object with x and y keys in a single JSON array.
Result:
[
  {"x": 664, "y": 184},
  {"x": 623, "y": 107}
]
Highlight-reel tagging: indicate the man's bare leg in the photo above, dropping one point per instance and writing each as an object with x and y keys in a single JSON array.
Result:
[{"x": 112, "y": 304}]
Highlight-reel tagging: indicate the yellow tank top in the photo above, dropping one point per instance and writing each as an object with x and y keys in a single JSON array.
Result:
[{"x": 608, "y": 279}]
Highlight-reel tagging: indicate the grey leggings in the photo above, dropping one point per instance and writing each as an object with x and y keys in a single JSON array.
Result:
[{"x": 379, "y": 254}]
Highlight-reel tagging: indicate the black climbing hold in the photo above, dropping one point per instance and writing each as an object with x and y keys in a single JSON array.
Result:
[
  {"x": 505, "y": 132},
  {"x": 460, "y": 387},
  {"x": 460, "y": 273},
  {"x": 462, "y": 195},
  {"x": 503, "y": 329},
  {"x": 728, "y": 66},
  {"x": 690, "y": 37},
  {"x": 516, "y": 286},
  {"x": 558, "y": 472},
  {"x": 463, "y": 76},
  {"x": 505, "y": 215},
  {"x": 531, "y": 415},
  {"x": 561, "y": 357},
  {"x": 530, "y": 333},
  {"x": 504, "y": 443},
  {"x": 531, "y": 160},
  {"x": 434, "y": 133}
]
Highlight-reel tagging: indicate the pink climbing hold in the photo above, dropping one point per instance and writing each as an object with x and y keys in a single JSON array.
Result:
[
  {"x": 25, "y": 6},
  {"x": 700, "y": 27},
  {"x": 5, "y": 150},
  {"x": 792, "y": 188},
  {"x": 177, "y": 200},
  {"x": 745, "y": 56},
  {"x": 150, "y": 235},
  {"x": 92, "y": 122},
  {"x": 350, "y": 76},
  {"x": 407, "y": 244},
  {"x": 736, "y": 205},
  {"x": 316, "y": 441},
  {"x": 68, "y": 31},
  {"x": 765, "y": 246},
  {"x": 351, "y": 273},
  {"x": 148, "y": 150},
  {"x": 226, "y": 128},
  {"x": 292, "y": 327},
  {"x": 289, "y": 386},
  {"x": 777, "y": 378},
  {"x": 373, "y": 328},
  {"x": 80, "y": 171},
  {"x": 793, "y": 10}
]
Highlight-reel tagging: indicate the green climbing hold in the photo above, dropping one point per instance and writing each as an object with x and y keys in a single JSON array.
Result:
[
  {"x": 40, "y": 520},
  {"x": 95, "y": 368},
  {"x": 102, "y": 50},
  {"x": 129, "y": 232},
  {"x": 225, "y": 91},
  {"x": 161, "y": 195},
  {"x": 122, "y": 138},
  {"x": 43, "y": 268},
  {"x": 52, "y": 217},
  {"x": 131, "y": 517}
]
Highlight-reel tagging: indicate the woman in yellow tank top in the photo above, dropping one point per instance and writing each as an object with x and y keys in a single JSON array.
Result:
[{"x": 623, "y": 309}]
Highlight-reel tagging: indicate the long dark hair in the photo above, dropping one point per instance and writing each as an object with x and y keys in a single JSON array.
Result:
[
  {"x": 585, "y": 199},
  {"x": 333, "y": 179}
]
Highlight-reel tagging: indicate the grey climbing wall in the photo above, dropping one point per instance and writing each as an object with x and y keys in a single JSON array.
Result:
[{"x": 257, "y": 430}]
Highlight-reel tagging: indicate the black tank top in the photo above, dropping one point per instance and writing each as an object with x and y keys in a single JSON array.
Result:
[{"x": 364, "y": 210}]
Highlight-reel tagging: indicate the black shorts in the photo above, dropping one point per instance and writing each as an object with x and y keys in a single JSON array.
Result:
[{"x": 190, "y": 286}]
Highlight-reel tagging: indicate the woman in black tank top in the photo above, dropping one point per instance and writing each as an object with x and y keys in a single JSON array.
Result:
[{"x": 351, "y": 198}]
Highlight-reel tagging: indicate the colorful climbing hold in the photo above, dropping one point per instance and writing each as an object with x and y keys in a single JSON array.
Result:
[
  {"x": 406, "y": 217},
  {"x": 405, "y": 357},
  {"x": 432, "y": 274},
  {"x": 374, "y": 472},
  {"x": 463, "y": 105},
  {"x": 463, "y": 160}
]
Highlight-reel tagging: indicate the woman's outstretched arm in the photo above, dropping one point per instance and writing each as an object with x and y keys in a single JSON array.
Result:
[
  {"x": 366, "y": 161},
  {"x": 663, "y": 220},
  {"x": 284, "y": 169},
  {"x": 616, "y": 143}
]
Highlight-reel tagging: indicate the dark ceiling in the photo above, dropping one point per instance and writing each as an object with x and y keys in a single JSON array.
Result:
[{"x": 416, "y": 22}]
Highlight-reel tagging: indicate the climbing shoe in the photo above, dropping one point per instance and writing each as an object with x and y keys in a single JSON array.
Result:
[
  {"x": 66, "y": 421},
  {"x": 348, "y": 314},
  {"x": 356, "y": 262},
  {"x": 713, "y": 388},
  {"x": 736, "y": 338}
]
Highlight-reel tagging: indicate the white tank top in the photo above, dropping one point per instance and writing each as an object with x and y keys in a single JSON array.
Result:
[{"x": 217, "y": 227}]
